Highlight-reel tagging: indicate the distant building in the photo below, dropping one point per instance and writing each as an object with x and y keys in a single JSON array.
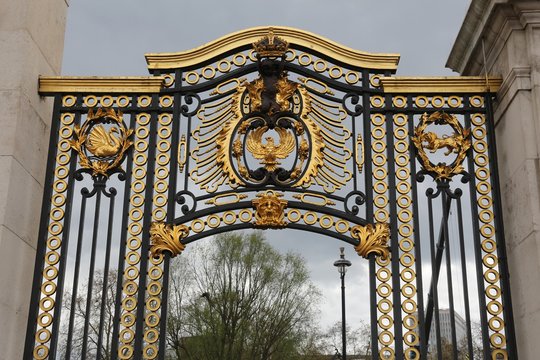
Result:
[{"x": 446, "y": 328}]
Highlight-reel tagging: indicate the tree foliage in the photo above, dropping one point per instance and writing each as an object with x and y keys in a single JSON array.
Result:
[{"x": 239, "y": 298}]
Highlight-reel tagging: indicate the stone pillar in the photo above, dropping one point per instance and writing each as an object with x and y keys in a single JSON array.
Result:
[
  {"x": 508, "y": 32},
  {"x": 31, "y": 43}
]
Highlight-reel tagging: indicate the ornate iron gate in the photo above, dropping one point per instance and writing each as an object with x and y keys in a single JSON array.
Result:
[{"x": 271, "y": 128}]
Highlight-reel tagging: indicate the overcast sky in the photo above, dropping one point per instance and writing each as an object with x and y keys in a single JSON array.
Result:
[{"x": 110, "y": 37}]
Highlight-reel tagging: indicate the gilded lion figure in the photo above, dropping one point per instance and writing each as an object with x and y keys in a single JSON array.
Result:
[{"x": 451, "y": 143}]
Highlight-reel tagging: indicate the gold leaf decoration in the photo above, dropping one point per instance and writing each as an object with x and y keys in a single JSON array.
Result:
[
  {"x": 101, "y": 151},
  {"x": 167, "y": 237},
  {"x": 270, "y": 210},
  {"x": 457, "y": 143},
  {"x": 373, "y": 239}
]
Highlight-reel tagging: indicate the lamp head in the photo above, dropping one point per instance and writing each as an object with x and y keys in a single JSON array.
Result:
[{"x": 342, "y": 264}]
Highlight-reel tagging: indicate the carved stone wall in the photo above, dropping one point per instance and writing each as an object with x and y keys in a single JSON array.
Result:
[
  {"x": 31, "y": 43},
  {"x": 508, "y": 33}
]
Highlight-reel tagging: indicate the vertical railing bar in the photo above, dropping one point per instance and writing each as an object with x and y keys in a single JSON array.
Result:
[
  {"x": 369, "y": 215},
  {"x": 464, "y": 276},
  {"x": 122, "y": 250},
  {"x": 42, "y": 235},
  {"x": 477, "y": 252},
  {"x": 106, "y": 270},
  {"x": 170, "y": 212},
  {"x": 417, "y": 242},
  {"x": 433, "y": 296},
  {"x": 76, "y": 272},
  {"x": 435, "y": 275},
  {"x": 449, "y": 274},
  {"x": 510, "y": 334},
  {"x": 90, "y": 285}
]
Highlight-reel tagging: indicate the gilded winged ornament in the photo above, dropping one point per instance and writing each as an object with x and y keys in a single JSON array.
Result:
[
  {"x": 240, "y": 120},
  {"x": 269, "y": 153}
]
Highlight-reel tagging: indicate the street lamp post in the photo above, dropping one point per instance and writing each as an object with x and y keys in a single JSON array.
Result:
[{"x": 342, "y": 264}]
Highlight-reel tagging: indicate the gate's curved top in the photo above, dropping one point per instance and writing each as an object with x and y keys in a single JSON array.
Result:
[{"x": 244, "y": 39}]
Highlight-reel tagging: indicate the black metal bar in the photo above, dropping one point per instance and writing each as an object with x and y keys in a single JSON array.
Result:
[
  {"x": 170, "y": 214},
  {"x": 106, "y": 272},
  {"x": 369, "y": 216},
  {"x": 122, "y": 250},
  {"x": 417, "y": 242},
  {"x": 464, "y": 278},
  {"x": 449, "y": 275},
  {"x": 43, "y": 232},
  {"x": 145, "y": 247},
  {"x": 436, "y": 266},
  {"x": 75, "y": 285},
  {"x": 433, "y": 294},
  {"x": 90, "y": 285},
  {"x": 296, "y": 226},
  {"x": 478, "y": 253},
  {"x": 510, "y": 331},
  {"x": 65, "y": 248}
]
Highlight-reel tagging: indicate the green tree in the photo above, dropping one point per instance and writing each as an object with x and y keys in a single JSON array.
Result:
[
  {"x": 100, "y": 319},
  {"x": 358, "y": 339},
  {"x": 239, "y": 298}
]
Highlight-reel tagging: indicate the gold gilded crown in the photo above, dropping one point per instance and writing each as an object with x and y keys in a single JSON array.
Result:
[{"x": 271, "y": 46}]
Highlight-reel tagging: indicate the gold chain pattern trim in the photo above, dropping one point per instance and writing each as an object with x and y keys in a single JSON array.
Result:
[
  {"x": 138, "y": 188},
  {"x": 405, "y": 234},
  {"x": 49, "y": 295},
  {"x": 154, "y": 285},
  {"x": 383, "y": 271}
]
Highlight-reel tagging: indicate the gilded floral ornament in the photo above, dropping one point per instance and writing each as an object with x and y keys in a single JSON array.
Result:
[
  {"x": 101, "y": 141},
  {"x": 269, "y": 210},
  {"x": 373, "y": 239},
  {"x": 458, "y": 143},
  {"x": 167, "y": 237}
]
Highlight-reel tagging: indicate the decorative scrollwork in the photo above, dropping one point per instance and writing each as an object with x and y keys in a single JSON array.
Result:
[
  {"x": 192, "y": 104},
  {"x": 101, "y": 151},
  {"x": 458, "y": 143},
  {"x": 181, "y": 200},
  {"x": 167, "y": 237},
  {"x": 355, "y": 101},
  {"x": 373, "y": 239},
  {"x": 269, "y": 210},
  {"x": 359, "y": 199}
]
